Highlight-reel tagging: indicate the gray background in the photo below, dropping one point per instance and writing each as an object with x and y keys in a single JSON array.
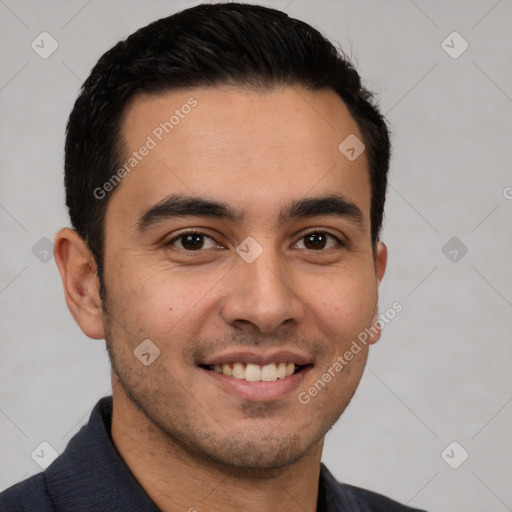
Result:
[{"x": 441, "y": 371}]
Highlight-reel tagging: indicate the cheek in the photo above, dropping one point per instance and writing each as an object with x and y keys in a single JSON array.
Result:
[
  {"x": 342, "y": 309},
  {"x": 344, "y": 304},
  {"x": 158, "y": 303}
]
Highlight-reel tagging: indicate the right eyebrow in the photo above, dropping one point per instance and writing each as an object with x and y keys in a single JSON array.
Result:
[{"x": 179, "y": 205}]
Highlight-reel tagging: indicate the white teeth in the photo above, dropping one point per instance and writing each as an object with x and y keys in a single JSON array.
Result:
[
  {"x": 269, "y": 372},
  {"x": 238, "y": 371},
  {"x": 281, "y": 371},
  {"x": 226, "y": 370},
  {"x": 255, "y": 372}
]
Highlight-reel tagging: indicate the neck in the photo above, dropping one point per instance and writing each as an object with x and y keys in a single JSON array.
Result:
[{"x": 179, "y": 481}]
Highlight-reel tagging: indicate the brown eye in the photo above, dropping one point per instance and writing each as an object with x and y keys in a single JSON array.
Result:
[
  {"x": 315, "y": 241},
  {"x": 193, "y": 241},
  {"x": 318, "y": 240}
]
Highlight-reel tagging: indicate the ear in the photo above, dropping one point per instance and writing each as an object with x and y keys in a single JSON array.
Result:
[
  {"x": 381, "y": 259},
  {"x": 81, "y": 285}
]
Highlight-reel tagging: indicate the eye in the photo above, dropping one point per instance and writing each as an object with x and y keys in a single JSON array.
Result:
[
  {"x": 193, "y": 241},
  {"x": 318, "y": 240}
]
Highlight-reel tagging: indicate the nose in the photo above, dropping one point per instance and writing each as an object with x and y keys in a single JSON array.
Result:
[{"x": 262, "y": 294}]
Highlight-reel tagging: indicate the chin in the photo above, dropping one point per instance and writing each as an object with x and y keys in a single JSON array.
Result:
[{"x": 255, "y": 452}]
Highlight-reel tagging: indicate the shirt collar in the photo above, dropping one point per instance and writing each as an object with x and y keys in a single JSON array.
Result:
[{"x": 91, "y": 475}]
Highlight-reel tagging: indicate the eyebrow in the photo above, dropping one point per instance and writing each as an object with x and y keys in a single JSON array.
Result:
[
  {"x": 179, "y": 205},
  {"x": 334, "y": 205}
]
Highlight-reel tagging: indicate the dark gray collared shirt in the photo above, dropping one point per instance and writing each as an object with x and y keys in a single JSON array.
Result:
[{"x": 91, "y": 476}]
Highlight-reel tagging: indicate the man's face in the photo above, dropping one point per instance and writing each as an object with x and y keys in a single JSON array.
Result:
[{"x": 299, "y": 290}]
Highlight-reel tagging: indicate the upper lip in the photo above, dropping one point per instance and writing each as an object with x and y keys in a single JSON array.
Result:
[{"x": 261, "y": 358}]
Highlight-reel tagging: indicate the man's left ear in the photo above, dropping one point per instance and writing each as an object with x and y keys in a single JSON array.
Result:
[{"x": 381, "y": 259}]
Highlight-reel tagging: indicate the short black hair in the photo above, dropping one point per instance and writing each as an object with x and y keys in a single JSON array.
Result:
[{"x": 206, "y": 46}]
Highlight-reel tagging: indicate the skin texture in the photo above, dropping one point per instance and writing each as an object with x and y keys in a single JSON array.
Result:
[{"x": 189, "y": 442}]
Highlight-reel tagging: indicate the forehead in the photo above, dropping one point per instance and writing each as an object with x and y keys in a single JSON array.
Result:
[{"x": 239, "y": 146}]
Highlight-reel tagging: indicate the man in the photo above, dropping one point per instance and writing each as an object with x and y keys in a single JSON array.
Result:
[{"x": 225, "y": 177}]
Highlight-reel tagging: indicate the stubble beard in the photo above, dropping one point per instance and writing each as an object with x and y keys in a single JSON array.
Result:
[{"x": 250, "y": 454}]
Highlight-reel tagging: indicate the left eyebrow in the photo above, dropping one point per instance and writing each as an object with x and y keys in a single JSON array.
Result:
[{"x": 335, "y": 205}]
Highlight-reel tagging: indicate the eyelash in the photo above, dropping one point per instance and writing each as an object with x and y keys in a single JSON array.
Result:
[{"x": 196, "y": 232}]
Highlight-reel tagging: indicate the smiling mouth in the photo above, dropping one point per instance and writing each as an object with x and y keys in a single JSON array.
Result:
[{"x": 254, "y": 372}]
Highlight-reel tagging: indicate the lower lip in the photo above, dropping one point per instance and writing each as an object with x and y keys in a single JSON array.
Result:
[{"x": 258, "y": 391}]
